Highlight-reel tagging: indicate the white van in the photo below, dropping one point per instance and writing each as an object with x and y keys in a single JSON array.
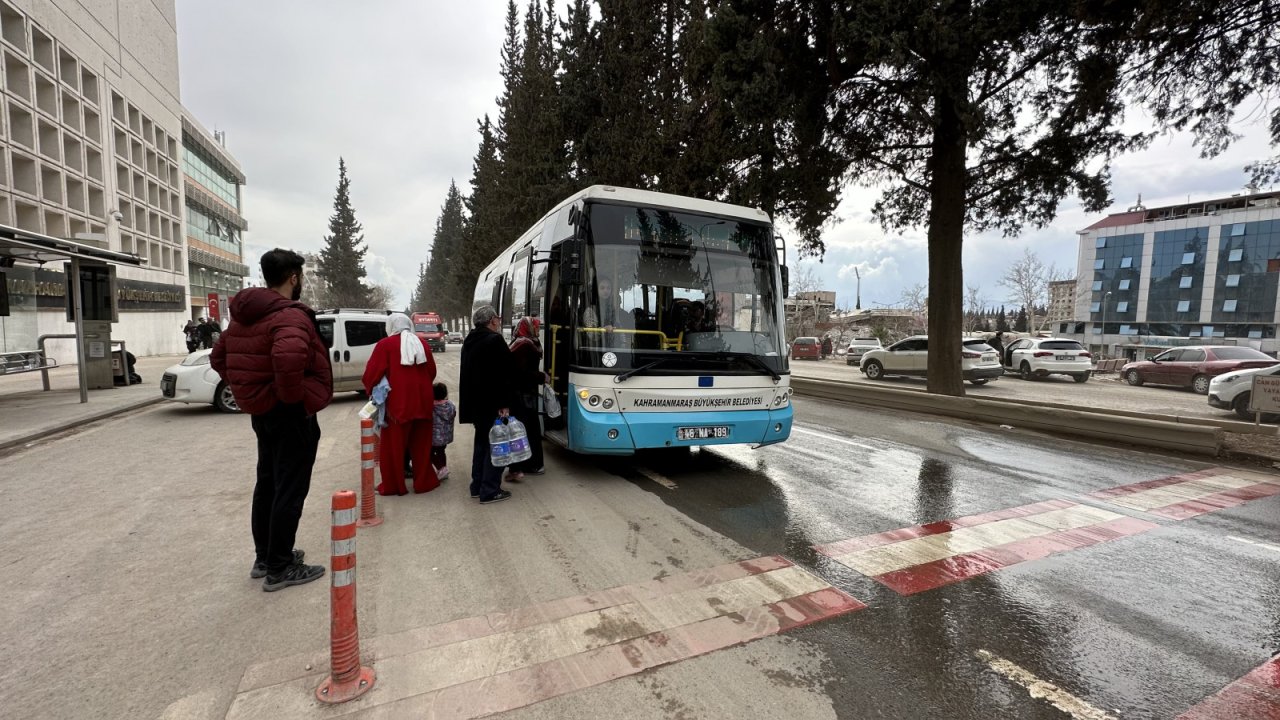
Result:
[{"x": 350, "y": 335}]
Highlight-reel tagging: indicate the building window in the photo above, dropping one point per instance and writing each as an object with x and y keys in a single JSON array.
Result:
[
  {"x": 1236, "y": 255},
  {"x": 1126, "y": 262},
  {"x": 1188, "y": 258},
  {"x": 1095, "y": 307},
  {"x": 1124, "y": 284},
  {"x": 1122, "y": 306},
  {"x": 1101, "y": 243},
  {"x": 1233, "y": 281},
  {"x": 1208, "y": 331},
  {"x": 1185, "y": 281},
  {"x": 1097, "y": 329},
  {"x": 1228, "y": 306},
  {"x": 1184, "y": 306},
  {"x": 1097, "y": 286},
  {"x": 1099, "y": 264},
  {"x": 1124, "y": 330},
  {"x": 1237, "y": 230}
]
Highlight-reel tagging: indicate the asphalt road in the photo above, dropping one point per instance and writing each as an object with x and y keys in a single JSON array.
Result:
[
  {"x": 1101, "y": 391},
  {"x": 127, "y": 549}
]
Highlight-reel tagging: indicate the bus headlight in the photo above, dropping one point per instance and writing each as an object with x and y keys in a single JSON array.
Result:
[
  {"x": 608, "y": 403},
  {"x": 613, "y": 433},
  {"x": 583, "y": 393},
  {"x": 594, "y": 400}
]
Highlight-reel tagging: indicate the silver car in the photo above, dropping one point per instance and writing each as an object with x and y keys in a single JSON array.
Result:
[{"x": 858, "y": 348}]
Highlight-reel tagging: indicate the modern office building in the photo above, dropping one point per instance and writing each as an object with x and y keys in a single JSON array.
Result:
[
  {"x": 214, "y": 224},
  {"x": 96, "y": 147},
  {"x": 1203, "y": 272}
]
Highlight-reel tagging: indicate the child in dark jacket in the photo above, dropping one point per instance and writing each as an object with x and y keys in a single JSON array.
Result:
[{"x": 442, "y": 429}]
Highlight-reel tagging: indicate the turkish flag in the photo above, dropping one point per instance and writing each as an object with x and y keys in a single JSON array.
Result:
[{"x": 215, "y": 307}]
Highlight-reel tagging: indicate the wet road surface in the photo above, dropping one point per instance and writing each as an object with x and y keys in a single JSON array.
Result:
[{"x": 1144, "y": 625}]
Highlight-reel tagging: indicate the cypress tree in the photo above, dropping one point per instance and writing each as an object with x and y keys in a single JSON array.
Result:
[
  {"x": 1020, "y": 320},
  {"x": 342, "y": 257}
]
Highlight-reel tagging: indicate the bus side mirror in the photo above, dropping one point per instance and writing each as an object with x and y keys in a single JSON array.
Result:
[
  {"x": 571, "y": 262},
  {"x": 786, "y": 281}
]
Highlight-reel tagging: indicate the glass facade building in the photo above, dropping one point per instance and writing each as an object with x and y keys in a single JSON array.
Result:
[
  {"x": 1202, "y": 273},
  {"x": 213, "y": 224}
]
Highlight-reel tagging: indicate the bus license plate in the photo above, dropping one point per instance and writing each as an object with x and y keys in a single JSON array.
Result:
[{"x": 702, "y": 433}]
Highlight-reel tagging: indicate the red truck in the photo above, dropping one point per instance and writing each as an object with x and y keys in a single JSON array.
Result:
[{"x": 429, "y": 327}]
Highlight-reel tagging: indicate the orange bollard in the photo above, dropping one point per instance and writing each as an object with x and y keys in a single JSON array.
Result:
[
  {"x": 348, "y": 679},
  {"x": 368, "y": 460}
]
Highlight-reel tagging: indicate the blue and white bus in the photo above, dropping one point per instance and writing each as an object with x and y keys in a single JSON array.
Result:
[{"x": 661, "y": 316}]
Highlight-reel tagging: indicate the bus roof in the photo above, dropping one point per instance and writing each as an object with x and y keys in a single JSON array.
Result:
[{"x": 610, "y": 193}]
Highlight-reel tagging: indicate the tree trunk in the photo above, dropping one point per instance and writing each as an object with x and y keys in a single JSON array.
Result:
[{"x": 947, "y": 180}]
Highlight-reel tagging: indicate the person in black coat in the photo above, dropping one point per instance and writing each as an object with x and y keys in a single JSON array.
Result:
[
  {"x": 486, "y": 391},
  {"x": 205, "y": 330}
]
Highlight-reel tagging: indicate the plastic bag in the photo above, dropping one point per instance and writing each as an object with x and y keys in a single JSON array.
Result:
[{"x": 550, "y": 405}]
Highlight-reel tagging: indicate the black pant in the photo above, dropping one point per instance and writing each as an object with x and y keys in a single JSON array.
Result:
[
  {"x": 486, "y": 480},
  {"x": 438, "y": 457},
  {"x": 287, "y": 440}
]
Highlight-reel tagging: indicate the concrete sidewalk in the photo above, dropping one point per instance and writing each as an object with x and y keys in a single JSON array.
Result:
[{"x": 30, "y": 413}]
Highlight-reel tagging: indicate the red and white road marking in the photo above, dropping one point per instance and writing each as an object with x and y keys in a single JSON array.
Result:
[
  {"x": 1255, "y": 696},
  {"x": 924, "y": 557},
  {"x": 1183, "y": 496},
  {"x": 485, "y": 665}
]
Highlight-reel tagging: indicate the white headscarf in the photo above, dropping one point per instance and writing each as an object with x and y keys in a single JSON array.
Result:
[{"x": 411, "y": 351}]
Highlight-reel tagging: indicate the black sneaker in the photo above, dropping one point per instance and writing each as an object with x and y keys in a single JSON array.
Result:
[
  {"x": 539, "y": 471},
  {"x": 259, "y": 570},
  {"x": 496, "y": 497},
  {"x": 475, "y": 496},
  {"x": 295, "y": 574}
]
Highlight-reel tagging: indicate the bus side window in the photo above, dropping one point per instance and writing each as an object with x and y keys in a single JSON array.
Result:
[{"x": 519, "y": 276}]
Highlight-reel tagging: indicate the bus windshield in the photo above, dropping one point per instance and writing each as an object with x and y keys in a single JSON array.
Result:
[{"x": 684, "y": 288}]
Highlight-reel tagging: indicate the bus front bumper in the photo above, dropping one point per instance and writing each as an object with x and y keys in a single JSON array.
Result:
[{"x": 589, "y": 432}]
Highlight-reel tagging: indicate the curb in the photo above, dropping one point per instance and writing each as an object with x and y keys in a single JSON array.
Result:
[
  {"x": 1184, "y": 437},
  {"x": 78, "y": 422}
]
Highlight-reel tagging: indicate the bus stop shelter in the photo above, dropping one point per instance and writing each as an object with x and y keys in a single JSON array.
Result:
[{"x": 19, "y": 246}]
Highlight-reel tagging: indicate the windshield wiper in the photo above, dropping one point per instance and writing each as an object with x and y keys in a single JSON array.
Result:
[
  {"x": 751, "y": 360},
  {"x": 623, "y": 377}
]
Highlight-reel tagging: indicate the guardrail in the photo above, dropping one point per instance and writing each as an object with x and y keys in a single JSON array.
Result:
[{"x": 1192, "y": 435}]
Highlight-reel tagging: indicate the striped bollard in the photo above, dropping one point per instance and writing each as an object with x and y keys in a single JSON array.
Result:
[
  {"x": 368, "y": 461},
  {"x": 348, "y": 679}
]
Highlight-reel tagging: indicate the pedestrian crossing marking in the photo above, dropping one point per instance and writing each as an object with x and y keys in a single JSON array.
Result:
[{"x": 1179, "y": 497}]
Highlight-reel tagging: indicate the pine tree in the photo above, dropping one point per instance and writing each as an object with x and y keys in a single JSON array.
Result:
[
  {"x": 342, "y": 257},
  {"x": 1020, "y": 321},
  {"x": 482, "y": 236},
  {"x": 441, "y": 289},
  {"x": 418, "y": 297},
  {"x": 1002, "y": 321}
]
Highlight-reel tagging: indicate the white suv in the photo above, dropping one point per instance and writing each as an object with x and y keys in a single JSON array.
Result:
[
  {"x": 1038, "y": 357},
  {"x": 979, "y": 362},
  {"x": 859, "y": 347},
  {"x": 1231, "y": 391}
]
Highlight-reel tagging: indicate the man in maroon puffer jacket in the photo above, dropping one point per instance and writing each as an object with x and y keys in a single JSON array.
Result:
[{"x": 278, "y": 369}]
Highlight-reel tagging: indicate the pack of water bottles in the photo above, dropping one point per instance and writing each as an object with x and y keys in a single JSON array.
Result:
[{"x": 508, "y": 442}]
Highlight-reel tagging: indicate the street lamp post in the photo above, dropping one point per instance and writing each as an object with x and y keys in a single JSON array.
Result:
[{"x": 1104, "y": 321}]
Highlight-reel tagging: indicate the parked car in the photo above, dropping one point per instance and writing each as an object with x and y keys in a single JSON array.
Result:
[
  {"x": 857, "y": 348},
  {"x": 979, "y": 362},
  {"x": 1194, "y": 366},
  {"x": 349, "y": 334},
  {"x": 194, "y": 381},
  {"x": 1231, "y": 391},
  {"x": 806, "y": 348},
  {"x": 454, "y": 338},
  {"x": 1040, "y": 357}
]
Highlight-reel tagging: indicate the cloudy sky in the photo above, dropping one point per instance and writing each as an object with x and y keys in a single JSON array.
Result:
[{"x": 396, "y": 86}]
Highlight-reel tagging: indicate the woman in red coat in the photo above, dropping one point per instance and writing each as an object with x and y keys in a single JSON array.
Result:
[{"x": 405, "y": 360}]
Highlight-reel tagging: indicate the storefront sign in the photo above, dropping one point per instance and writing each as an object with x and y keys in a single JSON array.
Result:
[{"x": 48, "y": 290}]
